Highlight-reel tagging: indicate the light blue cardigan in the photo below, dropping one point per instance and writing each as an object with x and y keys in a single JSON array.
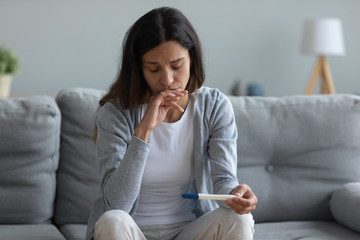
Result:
[{"x": 122, "y": 156}]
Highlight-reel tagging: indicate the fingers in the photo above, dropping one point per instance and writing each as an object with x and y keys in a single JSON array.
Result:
[
  {"x": 169, "y": 99},
  {"x": 245, "y": 202},
  {"x": 173, "y": 104},
  {"x": 241, "y": 205},
  {"x": 174, "y": 95},
  {"x": 156, "y": 110}
]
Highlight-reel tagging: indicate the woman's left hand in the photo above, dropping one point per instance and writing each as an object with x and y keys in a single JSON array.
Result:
[{"x": 245, "y": 202}]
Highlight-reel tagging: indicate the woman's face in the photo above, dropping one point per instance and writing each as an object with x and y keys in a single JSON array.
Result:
[{"x": 166, "y": 67}]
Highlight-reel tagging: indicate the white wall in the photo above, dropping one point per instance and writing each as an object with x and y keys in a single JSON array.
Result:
[{"x": 66, "y": 43}]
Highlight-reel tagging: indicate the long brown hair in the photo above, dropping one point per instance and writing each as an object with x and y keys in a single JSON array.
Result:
[{"x": 155, "y": 27}]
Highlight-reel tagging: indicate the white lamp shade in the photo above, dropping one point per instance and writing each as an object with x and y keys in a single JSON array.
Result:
[{"x": 323, "y": 37}]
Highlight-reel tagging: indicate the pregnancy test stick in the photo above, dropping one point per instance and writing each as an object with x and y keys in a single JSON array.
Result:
[{"x": 208, "y": 196}]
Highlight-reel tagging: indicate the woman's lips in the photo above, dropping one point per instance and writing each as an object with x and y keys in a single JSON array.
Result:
[
  {"x": 179, "y": 90},
  {"x": 175, "y": 89}
]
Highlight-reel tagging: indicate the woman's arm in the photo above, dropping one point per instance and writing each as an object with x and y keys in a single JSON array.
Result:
[
  {"x": 223, "y": 156},
  {"x": 222, "y": 152},
  {"x": 121, "y": 157}
]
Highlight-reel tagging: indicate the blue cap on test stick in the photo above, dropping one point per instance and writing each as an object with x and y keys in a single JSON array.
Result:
[{"x": 191, "y": 195}]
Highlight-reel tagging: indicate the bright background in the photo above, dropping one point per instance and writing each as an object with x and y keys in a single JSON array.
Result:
[{"x": 77, "y": 43}]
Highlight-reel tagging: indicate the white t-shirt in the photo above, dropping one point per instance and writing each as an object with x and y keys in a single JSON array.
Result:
[{"x": 169, "y": 172}]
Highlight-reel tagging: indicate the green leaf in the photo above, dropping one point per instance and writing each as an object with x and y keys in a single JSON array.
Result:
[{"x": 9, "y": 63}]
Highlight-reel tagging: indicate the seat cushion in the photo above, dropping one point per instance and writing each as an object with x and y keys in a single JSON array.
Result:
[
  {"x": 74, "y": 231},
  {"x": 345, "y": 205},
  {"x": 78, "y": 176},
  {"x": 309, "y": 230},
  {"x": 29, "y": 157},
  {"x": 295, "y": 151},
  {"x": 30, "y": 232}
]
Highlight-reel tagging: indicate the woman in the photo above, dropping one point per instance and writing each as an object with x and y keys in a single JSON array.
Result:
[{"x": 159, "y": 135}]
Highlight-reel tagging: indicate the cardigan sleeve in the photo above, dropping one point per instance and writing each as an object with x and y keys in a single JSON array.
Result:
[
  {"x": 222, "y": 152},
  {"x": 215, "y": 136},
  {"x": 121, "y": 156}
]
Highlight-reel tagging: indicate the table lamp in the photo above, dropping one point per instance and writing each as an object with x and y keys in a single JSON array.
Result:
[{"x": 323, "y": 37}]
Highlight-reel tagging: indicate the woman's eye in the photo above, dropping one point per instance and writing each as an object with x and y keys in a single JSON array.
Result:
[
  {"x": 176, "y": 67},
  {"x": 153, "y": 70}
]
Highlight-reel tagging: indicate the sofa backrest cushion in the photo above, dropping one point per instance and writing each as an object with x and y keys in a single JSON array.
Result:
[
  {"x": 29, "y": 157},
  {"x": 295, "y": 151},
  {"x": 78, "y": 176}
]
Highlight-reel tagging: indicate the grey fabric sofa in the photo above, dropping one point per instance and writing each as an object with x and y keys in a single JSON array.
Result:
[{"x": 300, "y": 154}]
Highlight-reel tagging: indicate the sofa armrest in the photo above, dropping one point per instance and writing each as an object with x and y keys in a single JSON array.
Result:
[{"x": 344, "y": 205}]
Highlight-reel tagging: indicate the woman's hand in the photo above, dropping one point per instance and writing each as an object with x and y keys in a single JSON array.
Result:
[
  {"x": 156, "y": 111},
  {"x": 245, "y": 202}
]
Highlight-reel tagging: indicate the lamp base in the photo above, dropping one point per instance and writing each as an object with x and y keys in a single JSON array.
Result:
[{"x": 321, "y": 68}]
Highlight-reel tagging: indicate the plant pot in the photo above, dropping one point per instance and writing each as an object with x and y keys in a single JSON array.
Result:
[{"x": 5, "y": 84}]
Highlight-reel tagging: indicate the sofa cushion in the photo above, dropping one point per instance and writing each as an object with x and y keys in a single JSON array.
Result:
[
  {"x": 29, "y": 157},
  {"x": 74, "y": 231},
  {"x": 345, "y": 205},
  {"x": 309, "y": 230},
  {"x": 295, "y": 151},
  {"x": 78, "y": 175},
  {"x": 30, "y": 232}
]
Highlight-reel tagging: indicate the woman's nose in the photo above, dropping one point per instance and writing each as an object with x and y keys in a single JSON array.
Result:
[{"x": 167, "y": 77}]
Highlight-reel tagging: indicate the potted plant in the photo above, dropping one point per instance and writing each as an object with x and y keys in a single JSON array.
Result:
[{"x": 9, "y": 65}]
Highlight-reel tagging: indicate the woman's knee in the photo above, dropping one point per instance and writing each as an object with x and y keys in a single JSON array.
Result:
[
  {"x": 225, "y": 214},
  {"x": 115, "y": 216},
  {"x": 111, "y": 223},
  {"x": 242, "y": 225}
]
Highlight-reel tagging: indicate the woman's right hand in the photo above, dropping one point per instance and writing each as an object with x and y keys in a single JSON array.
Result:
[{"x": 156, "y": 111}]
